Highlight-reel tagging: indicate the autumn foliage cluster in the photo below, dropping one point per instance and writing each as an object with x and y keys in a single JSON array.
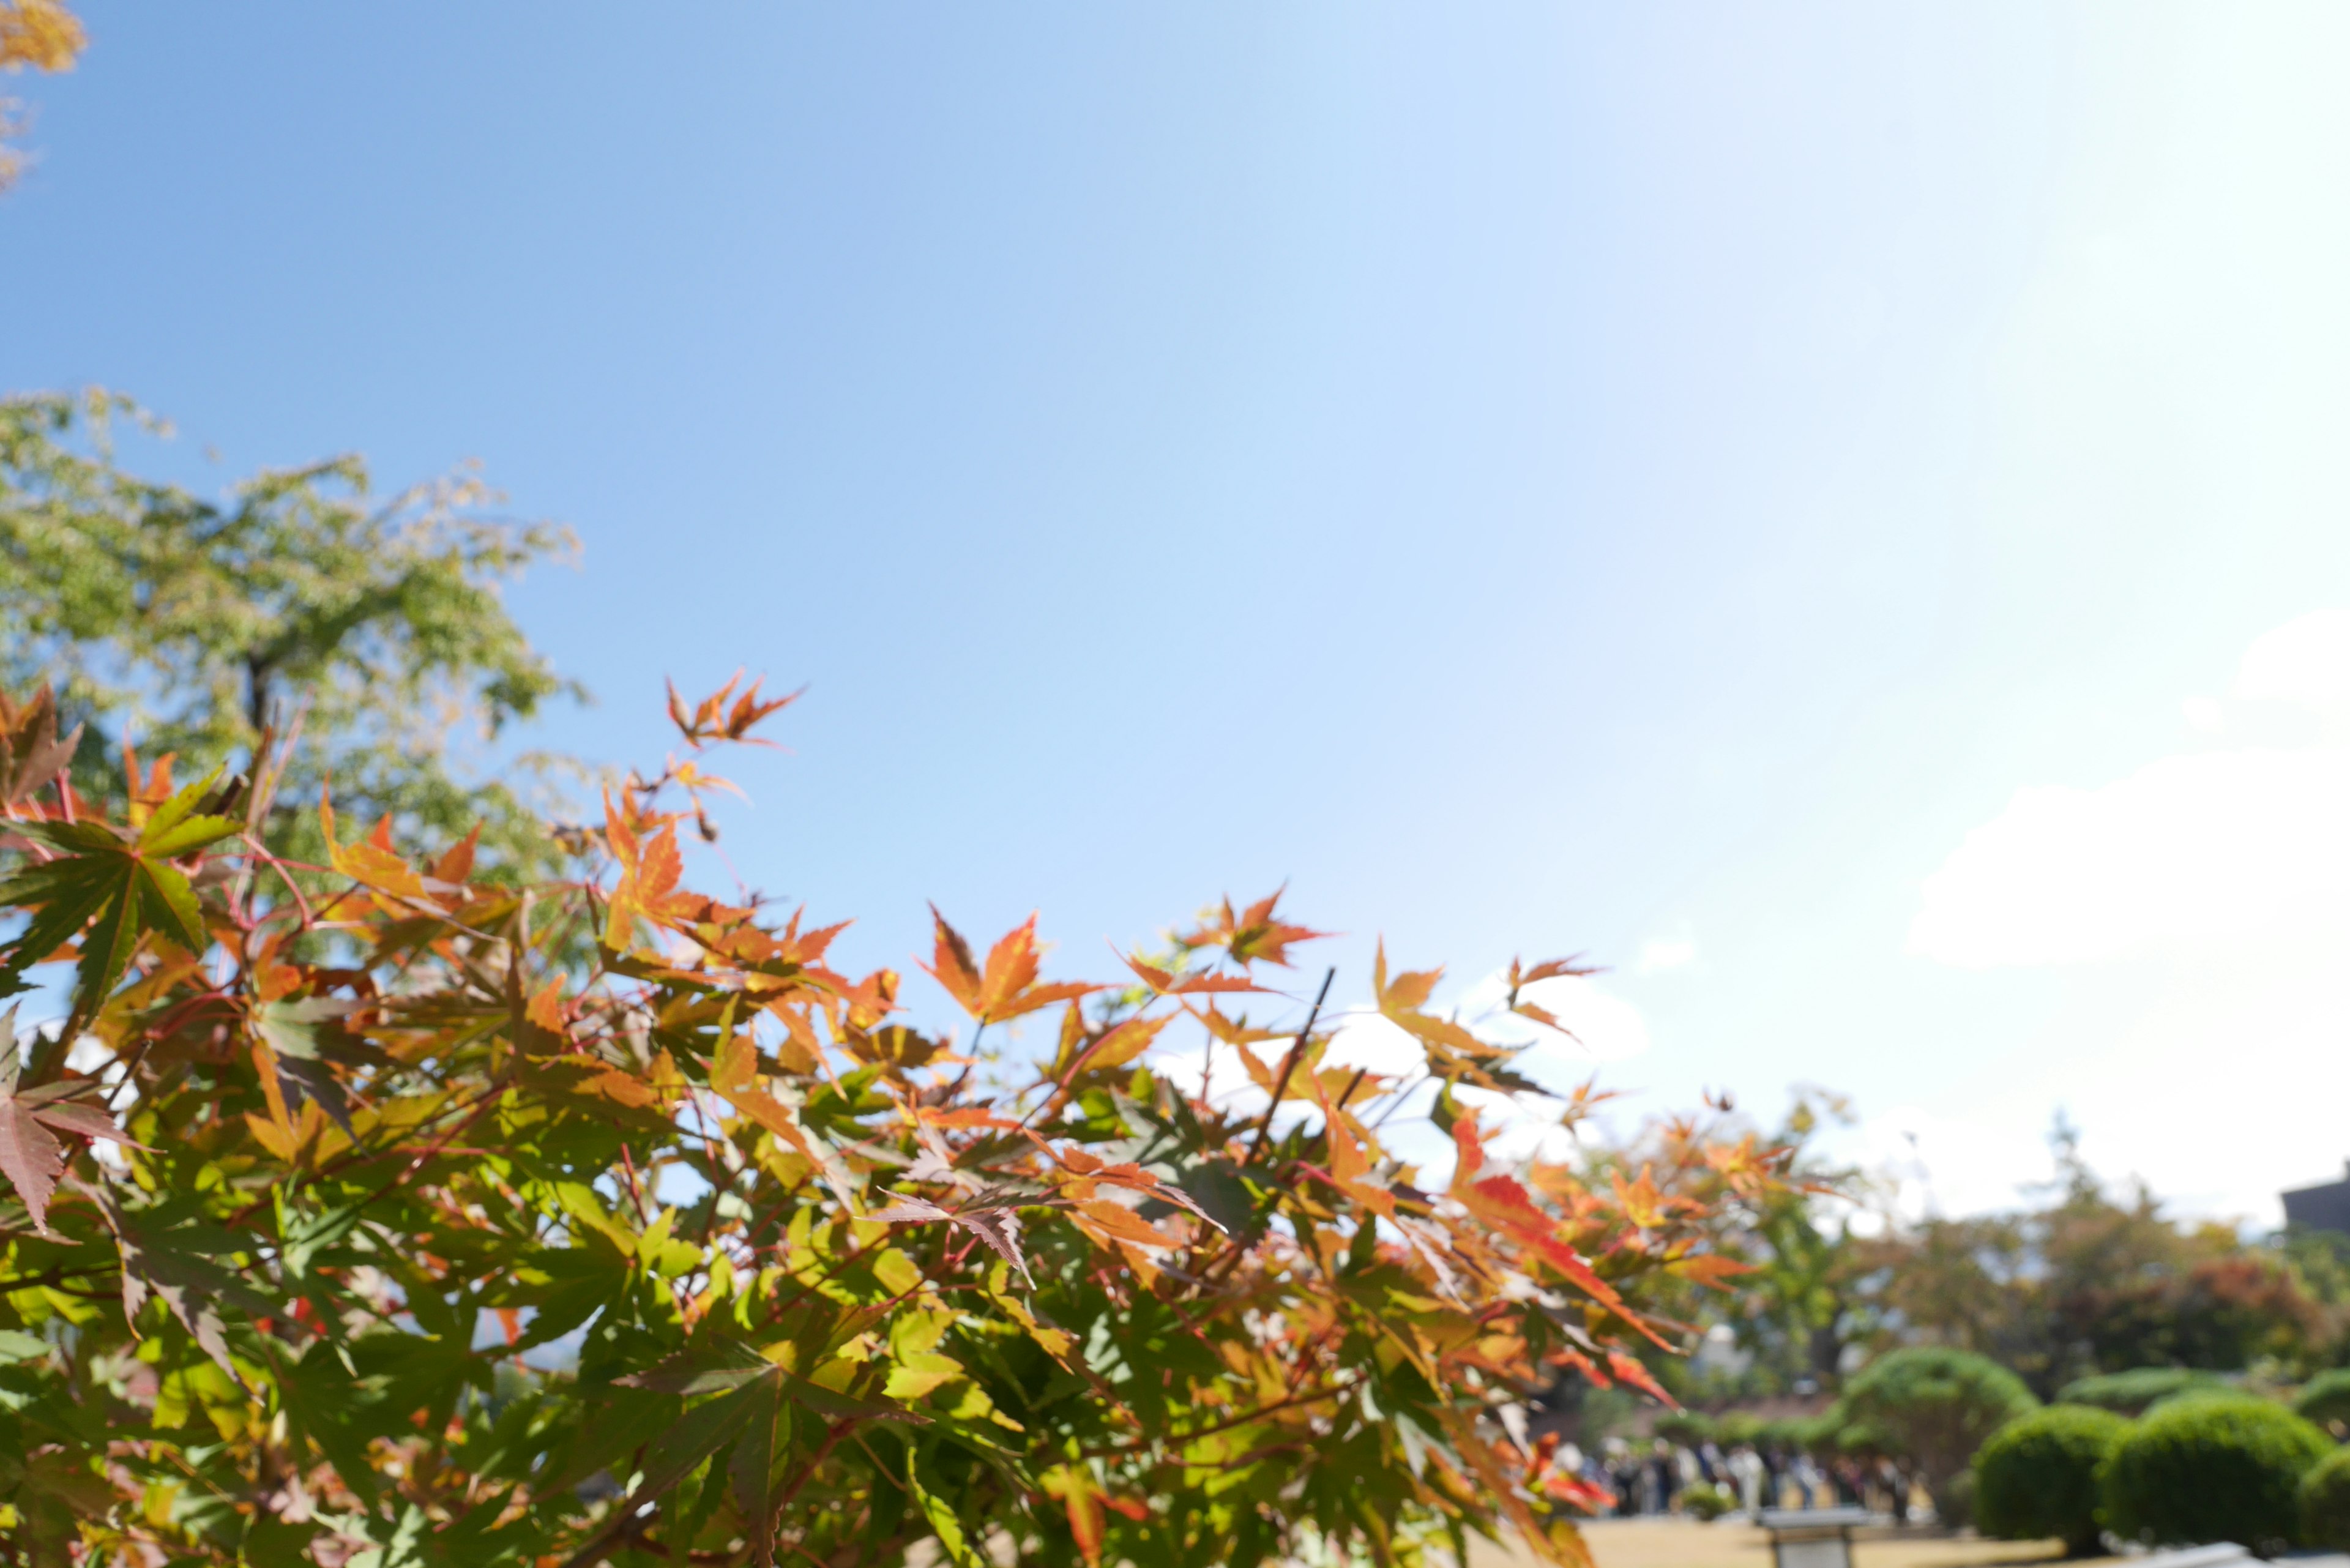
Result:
[
  {"x": 367, "y": 1212},
  {"x": 44, "y": 35}
]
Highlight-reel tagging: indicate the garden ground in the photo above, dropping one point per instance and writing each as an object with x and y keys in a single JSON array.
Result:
[{"x": 1685, "y": 1543}]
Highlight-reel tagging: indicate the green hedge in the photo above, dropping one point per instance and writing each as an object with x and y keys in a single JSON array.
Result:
[
  {"x": 2326, "y": 1501},
  {"x": 1688, "y": 1428},
  {"x": 2129, "y": 1393},
  {"x": 1708, "y": 1501},
  {"x": 2037, "y": 1476},
  {"x": 2326, "y": 1399},
  {"x": 1935, "y": 1407},
  {"x": 2211, "y": 1469}
]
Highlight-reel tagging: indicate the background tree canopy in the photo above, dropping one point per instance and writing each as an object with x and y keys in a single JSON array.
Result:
[
  {"x": 302, "y": 604},
  {"x": 2087, "y": 1293}
]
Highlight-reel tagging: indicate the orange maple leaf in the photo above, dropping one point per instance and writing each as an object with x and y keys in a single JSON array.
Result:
[
  {"x": 1255, "y": 935},
  {"x": 1231, "y": 1031},
  {"x": 1628, "y": 1369},
  {"x": 546, "y": 1009},
  {"x": 1118, "y": 1046},
  {"x": 735, "y": 1078},
  {"x": 1503, "y": 1203},
  {"x": 1522, "y": 976},
  {"x": 457, "y": 863},
  {"x": 963, "y": 1118},
  {"x": 1075, "y": 1485},
  {"x": 1007, "y": 987},
  {"x": 647, "y": 888},
  {"x": 1109, "y": 1221},
  {"x": 149, "y": 791},
  {"x": 1548, "y": 968},
  {"x": 712, "y": 721},
  {"x": 1642, "y": 1204},
  {"x": 796, "y": 946},
  {"x": 1167, "y": 983},
  {"x": 373, "y": 862},
  {"x": 1710, "y": 1268},
  {"x": 1401, "y": 999}
]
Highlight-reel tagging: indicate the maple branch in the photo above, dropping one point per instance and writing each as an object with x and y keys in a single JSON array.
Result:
[
  {"x": 807, "y": 1287},
  {"x": 52, "y": 1277},
  {"x": 721, "y": 1179},
  {"x": 1289, "y": 1064},
  {"x": 832, "y": 1435},
  {"x": 1240, "y": 1245},
  {"x": 301, "y": 904},
  {"x": 356, "y": 1155},
  {"x": 600, "y": 1547},
  {"x": 1395, "y": 1098},
  {"x": 148, "y": 1037},
  {"x": 1241, "y": 1419},
  {"x": 636, "y": 1192},
  {"x": 632, "y": 1516}
]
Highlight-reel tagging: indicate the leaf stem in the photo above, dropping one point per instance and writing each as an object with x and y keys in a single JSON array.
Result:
[{"x": 1289, "y": 1064}]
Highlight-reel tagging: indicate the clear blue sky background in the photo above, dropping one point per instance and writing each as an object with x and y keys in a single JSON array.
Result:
[{"x": 1539, "y": 477}]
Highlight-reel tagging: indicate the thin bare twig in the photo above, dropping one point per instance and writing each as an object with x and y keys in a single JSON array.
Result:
[{"x": 1289, "y": 1063}]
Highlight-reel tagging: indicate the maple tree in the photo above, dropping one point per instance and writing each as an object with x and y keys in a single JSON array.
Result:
[{"x": 366, "y": 1213}]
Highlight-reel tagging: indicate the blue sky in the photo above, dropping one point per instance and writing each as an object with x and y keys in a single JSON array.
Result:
[{"x": 1665, "y": 484}]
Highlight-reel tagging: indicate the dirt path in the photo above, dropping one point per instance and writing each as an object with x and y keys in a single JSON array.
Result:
[{"x": 1683, "y": 1544}]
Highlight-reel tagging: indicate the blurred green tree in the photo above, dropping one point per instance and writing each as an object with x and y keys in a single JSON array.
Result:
[
  {"x": 1808, "y": 1301},
  {"x": 1936, "y": 1405},
  {"x": 300, "y": 602}
]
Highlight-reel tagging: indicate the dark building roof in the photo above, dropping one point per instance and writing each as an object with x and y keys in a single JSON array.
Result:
[{"x": 2324, "y": 1208}]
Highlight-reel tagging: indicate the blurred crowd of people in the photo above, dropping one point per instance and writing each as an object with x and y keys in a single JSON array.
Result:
[{"x": 1659, "y": 1478}]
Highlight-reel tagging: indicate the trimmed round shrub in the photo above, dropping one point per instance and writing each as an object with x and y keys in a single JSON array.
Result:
[
  {"x": 2194, "y": 1391},
  {"x": 2131, "y": 1393},
  {"x": 1707, "y": 1501},
  {"x": 1935, "y": 1407},
  {"x": 2326, "y": 1399},
  {"x": 1954, "y": 1504},
  {"x": 2037, "y": 1476},
  {"x": 2326, "y": 1501},
  {"x": 2208, "y": 1469}
]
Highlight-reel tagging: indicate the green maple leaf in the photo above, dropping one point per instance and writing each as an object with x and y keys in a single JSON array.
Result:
[
  {"x": 117, "y": 884},
  {"x": 754, "y": 1411}
]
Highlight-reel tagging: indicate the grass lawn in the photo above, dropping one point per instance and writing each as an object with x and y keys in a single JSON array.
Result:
[{"x": 1684, "y": 1543}]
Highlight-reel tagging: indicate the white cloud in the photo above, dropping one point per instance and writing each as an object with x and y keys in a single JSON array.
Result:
[
  {"x": 1656, "y": 957},
  {"x": 1935, "y": 1162},
  {"x": 2200, "y": 910},
  {"x": 2305, "y": 662},
  {"x": 2219, "y": 1081},
  {"x": 2211, "y": 847},
  {"x": 2187, "y": 852}
]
